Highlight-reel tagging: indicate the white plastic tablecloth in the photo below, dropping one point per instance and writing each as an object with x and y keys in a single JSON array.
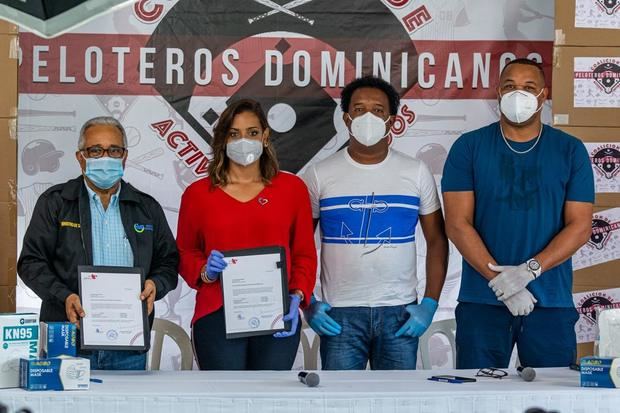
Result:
[{"x": 342, "y": 391}]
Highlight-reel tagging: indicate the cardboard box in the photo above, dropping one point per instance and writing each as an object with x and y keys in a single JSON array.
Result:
[
  {"x": 600, "y": 372},
  {"x": 597, "y": 277},
  {"x": 8, "y": 251},
  {"x": 8, "y": 159},
  {"x": 7, "y": 27},
  {"x": 7, "y": 299},
  {"x": 606, "y": 175},
  {"x": 586, "y": 87},
  {"x": 63, "y": 373},
  {"x": 57, "y": 339},
  {"x": 19, "y": 339},
  {"x": 586, "y": 23},
  {"x": 9, "y": 47}
]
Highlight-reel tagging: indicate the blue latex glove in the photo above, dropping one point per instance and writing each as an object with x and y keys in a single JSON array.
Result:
[
  {"x": 292, "y": 316},
  {"x": 215, "y": 265},
  {"x": 420, "y": 317},
  {"x": 317, "y": 318}
]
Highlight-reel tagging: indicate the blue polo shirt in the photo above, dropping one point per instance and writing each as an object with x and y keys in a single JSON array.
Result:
[{"x": 519, "y": 203}]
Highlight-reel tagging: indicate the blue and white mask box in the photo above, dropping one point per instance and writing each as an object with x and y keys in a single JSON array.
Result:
[
  {"x": 19, "y": 338},
  {"x": 600, "y": 372},
  {"x": 61, "y": 373},
  {"x": 58, "y": 339}
]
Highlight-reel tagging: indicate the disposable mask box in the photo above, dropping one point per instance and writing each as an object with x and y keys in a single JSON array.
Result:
[
  {"x": 62, "y": 373},
  {"x": 58, "y": 339},
  {"x": 19, "y": 339},
  {"x": 600, "y": 372}
]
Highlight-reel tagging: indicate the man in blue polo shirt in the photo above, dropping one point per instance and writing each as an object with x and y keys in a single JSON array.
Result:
[{"x": 518, "y": 199}]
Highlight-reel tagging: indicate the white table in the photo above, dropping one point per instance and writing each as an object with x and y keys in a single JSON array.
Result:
[{"x": 343, "y": 391}]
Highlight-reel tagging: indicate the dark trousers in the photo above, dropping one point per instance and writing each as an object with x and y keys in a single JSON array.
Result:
[
  {"x": 214, "y": 352},
  {"x": 486, "y": 335}
]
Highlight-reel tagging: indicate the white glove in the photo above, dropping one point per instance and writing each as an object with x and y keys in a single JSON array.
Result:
[
  {"x": 511, "y": 279},
  {"x": 521, "y": 303}
]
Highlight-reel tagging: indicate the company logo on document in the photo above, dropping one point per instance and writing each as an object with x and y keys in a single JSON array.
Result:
[
  {"x": 606, "y": 159},
  {"x": 602, "y": 229},
  {"x": 608, "y": 6},
  {"x": 593, "y": 301}
]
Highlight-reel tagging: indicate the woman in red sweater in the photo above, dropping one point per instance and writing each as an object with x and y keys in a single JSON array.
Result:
[{"x": 246, "y": 202}]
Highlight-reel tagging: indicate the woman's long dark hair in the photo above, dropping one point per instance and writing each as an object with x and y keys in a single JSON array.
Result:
[{"x": 218, "y": 167}]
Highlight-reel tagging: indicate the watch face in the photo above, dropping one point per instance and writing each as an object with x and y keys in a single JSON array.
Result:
[{"x": 534, "y": 265}]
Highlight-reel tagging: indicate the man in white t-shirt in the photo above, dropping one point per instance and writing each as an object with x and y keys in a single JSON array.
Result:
[{"x": 368, "y": 199}]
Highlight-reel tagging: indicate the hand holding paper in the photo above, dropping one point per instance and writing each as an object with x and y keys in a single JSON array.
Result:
[
  {"x": 215, "y": 265},
  {"x": 292, "y": 316},
  {"x": 73, "y": 308},
  {"x": 148, "y": 294}
]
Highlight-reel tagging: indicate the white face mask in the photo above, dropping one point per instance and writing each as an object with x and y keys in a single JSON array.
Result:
[
  {"x": 519, "y": 106},
  {"x": 244, "y": 151},
  {"x": 368, "y": 129}
]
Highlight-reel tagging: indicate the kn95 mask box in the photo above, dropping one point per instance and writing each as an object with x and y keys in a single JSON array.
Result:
[{"x": 19, "y": 338}]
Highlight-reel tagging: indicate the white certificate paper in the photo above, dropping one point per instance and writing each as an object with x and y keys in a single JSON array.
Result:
[
  {"x": 115, "y": 316},
  {"x": 254, "y": 286}
]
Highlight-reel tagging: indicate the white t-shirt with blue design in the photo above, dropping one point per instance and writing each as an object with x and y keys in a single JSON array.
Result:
[{"x": 368, "y": 215}]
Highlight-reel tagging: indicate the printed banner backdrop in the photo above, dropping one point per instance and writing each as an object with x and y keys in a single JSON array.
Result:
[
  {"x": 588, "y": 305},
  {"x": 167, "y": 69}
]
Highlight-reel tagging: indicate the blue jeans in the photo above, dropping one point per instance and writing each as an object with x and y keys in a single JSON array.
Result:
[
  {"x": 486, "y": 335},
  {"x": 368, "y": 335},
  {"x": 115, "y": 360}
]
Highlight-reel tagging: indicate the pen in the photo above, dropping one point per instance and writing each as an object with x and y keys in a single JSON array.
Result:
[
  {"x": 444, "y": 380},
  {"x": 96, "y": 380}
]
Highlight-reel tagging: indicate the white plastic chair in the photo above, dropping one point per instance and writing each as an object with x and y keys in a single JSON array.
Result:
[
  {"x": 310, "y": 350},
  {"x": 445, "y": 327},
  {"x": 163, "y": 328}
]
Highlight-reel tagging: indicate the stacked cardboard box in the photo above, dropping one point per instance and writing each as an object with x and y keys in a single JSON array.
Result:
[
  {"x": 8, "y": 165},
  {"x": 586, "y": 104}
]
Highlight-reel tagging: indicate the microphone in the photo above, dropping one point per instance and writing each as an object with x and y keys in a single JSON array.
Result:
[
  {"x": 526, "y": 373},
  {"x": 309, "y": 379}
]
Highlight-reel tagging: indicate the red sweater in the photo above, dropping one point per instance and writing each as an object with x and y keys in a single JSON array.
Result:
[{"x": 211, "y": 219}]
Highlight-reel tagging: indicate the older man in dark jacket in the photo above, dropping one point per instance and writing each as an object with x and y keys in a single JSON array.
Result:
[{"x": 97, "y": 219}]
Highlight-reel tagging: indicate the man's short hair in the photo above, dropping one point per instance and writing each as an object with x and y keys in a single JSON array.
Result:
[
  {"x": 374, "y": 82},
  {"x": 101, "y": 120},
  {"x": 525, "y": 61}
]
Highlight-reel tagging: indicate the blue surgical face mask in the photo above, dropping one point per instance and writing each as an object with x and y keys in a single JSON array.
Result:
[{"x": 104, "y": 172}]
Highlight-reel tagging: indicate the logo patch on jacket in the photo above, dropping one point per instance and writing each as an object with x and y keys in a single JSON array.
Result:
[
  {"x": 140, "y": 228},
  {"x": 69, "y": 224}
]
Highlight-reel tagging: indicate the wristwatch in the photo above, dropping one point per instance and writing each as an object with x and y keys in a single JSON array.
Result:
[{"x": 534, "y": 267}]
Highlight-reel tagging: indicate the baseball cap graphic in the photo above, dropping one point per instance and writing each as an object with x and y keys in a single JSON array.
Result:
[
  {"x": 40, "y": 156},
  {"x": 434, "y": 155}
]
